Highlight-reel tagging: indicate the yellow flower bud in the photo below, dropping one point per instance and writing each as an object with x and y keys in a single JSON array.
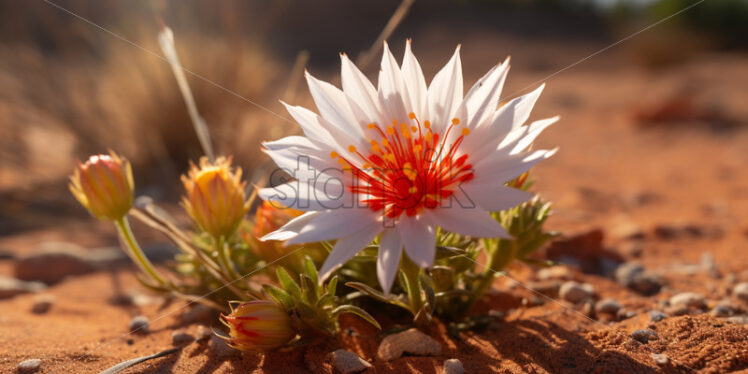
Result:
[
  {"x": 104, "y": 186},
  {"x": 215, "y": 196},
  {"x": 258, "y": 325}
]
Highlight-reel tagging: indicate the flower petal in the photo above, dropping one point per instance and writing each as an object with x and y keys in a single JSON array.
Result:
[
  {"x": 483, "y": 98},
  {"x": 359, "y": 90},
  {"x": 334, "y": 224},
  {"x": 305, "y": 197},
  {"x": 415, "y": 83},
  {"x": 392, "y": 91},
  {"x": 291, "y": 228},
  {"x": 333, "y": 105},
  {"x": 502, "y": 169},
  {"x": 347, "y": 247},
  {"x": 388, "y": 260},
  {"x": 536, "y": 128},
  {"x": 445, "y": 93},
  {"x": 494, "y": 197},
  {"x": 473, "y": 221},
  {"x": 419, "y": 238}
]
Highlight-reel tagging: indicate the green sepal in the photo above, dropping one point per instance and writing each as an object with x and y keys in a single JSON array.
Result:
[{"x": 357, "y": 311}]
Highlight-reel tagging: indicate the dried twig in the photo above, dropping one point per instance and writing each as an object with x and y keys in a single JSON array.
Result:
[{"x": 364, "y": 59}]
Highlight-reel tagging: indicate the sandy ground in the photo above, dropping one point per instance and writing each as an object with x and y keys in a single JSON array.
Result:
[{"x": 612, "y": 172}]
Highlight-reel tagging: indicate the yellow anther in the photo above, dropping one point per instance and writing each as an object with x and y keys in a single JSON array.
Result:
[
  {"x": 385, "y": 142},
  {"x": 375, "y": 148},
  {"x": 351, "y": 148},
  {"x": 389, "y": 157},
  {"x": 394, "y": 122},
  {"x": 412, "y": 115},
  {"x": 427, "y": 124},
  {"x": 417, "y": 148},
  {"x": 465, "y": 131},
  {"x": 334, "y": 154},
  {"x": 367, "y": 166},
  {"x": 342, "y": 161},
  {"x": 429, "y": 136},
  {"x": 390, "y": 129},
  {"x": 413, "y": 189},
  {"x": 413, "y": 128},
  {"x": 371, "y": 126},
  {"x": 455, "y": 121}
]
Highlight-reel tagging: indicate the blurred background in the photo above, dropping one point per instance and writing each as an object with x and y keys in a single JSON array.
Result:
[{"x": 69, "y": 88}]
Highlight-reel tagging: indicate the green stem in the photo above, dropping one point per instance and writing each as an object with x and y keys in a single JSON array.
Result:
[
  {"x": 413, "y": 287},
  {"x": 136, "y": 254},
  {"x": 497, "y": 260},
  {"x": 224, "y": 258}
]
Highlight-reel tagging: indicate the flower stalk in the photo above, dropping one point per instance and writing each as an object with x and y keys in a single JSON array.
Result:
[{"x": 136, "y": 254}]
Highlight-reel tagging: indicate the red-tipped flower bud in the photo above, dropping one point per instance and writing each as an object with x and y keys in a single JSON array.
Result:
[
  {"x": 258, "y": 325},
  {"x": 215, "y": 196},
  {"x": 104, "y": 185}
]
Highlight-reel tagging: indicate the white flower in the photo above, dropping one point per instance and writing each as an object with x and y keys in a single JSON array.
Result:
[{"x": 402, "y": 159}]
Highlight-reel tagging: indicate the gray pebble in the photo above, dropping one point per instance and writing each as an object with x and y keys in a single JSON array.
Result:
[
  {"x": 623, "y": 314},
  {"x": 554, "y": 272},
  {"x": 139, "y": 325},
  {"x": 644, "y": 335},
  {"x": 688, "y": 300},
  {"x": 574, "y": 292},
  {"x": 42, "y": 304},
  {"x": 721, "y": 311},
  {"x": 657, "y": 316},
  {"x": 453, "y": 366},
  {"x": 29, "y": 366},
  {"x": 198, "y": 313},
  {"x": 203, "y": 332},
  {"x": 412, "y": 341},
  {"x": 608, "y": 306},
  {"x": 348, "y": 362},
  {"x": 181, "y": 337},
  {"x": 741, "y": 291},
  {"x": 739, "y": 320},
  {"x": 220, "y": 348},
  {"x": 633, "y": 276},
  {"x": 10, "y": 287}
]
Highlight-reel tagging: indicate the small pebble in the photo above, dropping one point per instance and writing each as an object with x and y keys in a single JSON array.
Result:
[
  {"x": 623, "y": 314},
  {"x": 29, "y": 366},
  {"x": 554, "y": 272},
  {"x": 203, "y": 332},
  {"x": 644, "y": 335},
  {"x": 42, "y": 304},
  {"x": 741, "y": 291},
  {"x": 721, "y": 311},
  {"x": 659, "y": 359},
  {"x": 548, "y": 288},
  {"x": 574, "y": 292},
  {"x": 139, "y": 324},
  {"x": 688, "y": 300},
  {"x": 198, "y": 313},
  {"x": 608, "y": 306},
  {"x": 453, "y": 366},
  {"x": 348, "y": 362},
  {"x": 412, "y": 341},
  {"x": 739, "y": 320},
  {"x": 220, "y": 348},
  {"x": 633, "y": 276},
  {"x": 181, "y": 337},
  {"x": 657, "y": 316}
]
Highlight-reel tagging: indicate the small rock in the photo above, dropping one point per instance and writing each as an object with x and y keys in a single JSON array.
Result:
[
  {"x": 42, "y": 304},
  {"x": 623, "y": 314},
  {"x": 657, "y": 316},
  {"x": 739, "y": 320},
  {"x": 660, "y": 359},
  {"x": 453, "y": 366},
  {"x": 632, "y": 249},
  {"x": 644, "y": 335},
  {"x": 678, "y": 311},
  {"x": 608, "y": 306},
  {"x": 741, "y": 291},
  {"x": 139, "y": 324},
  {"x": 220, "y": 348},
  {"x": 633, "y": 276},
  {"x": 198, "y": 313},
  {"x": 574, "y": 292},
  {"x": 688, "y": 300},
  {"x": 181, "y": 338},
  {"x": 10, "y": 287},
  {"x": 412, "y": 341},
  {"x": 52, "y": 263},
  {"x": 348, "y": 362},
  {"x": 721, "y": 311},
  {"x": 554, "y": 272},
  {"x": 548, "y": 288},
  {"x": 627, "y": 231},
  {"x": 29, "y": 366},
  {"x": 203, "y": 332},
  {"x": 588, "y": 308}
]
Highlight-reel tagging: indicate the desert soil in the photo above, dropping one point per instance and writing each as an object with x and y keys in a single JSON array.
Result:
[{"x": 655, "y": 160}]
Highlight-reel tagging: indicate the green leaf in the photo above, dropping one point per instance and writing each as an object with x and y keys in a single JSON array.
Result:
[
  {"x": 428, "y": 287},
  {"x": 332, "y": 286},
  {"x": 389, "y": 299},
  {"x": 308, "y": 289},
  {"x": 280, "y": 296},
  {"x": 288, "y": 283},
  {"x": 311, "y": 272},
  {"x": 357, "y": 311}
]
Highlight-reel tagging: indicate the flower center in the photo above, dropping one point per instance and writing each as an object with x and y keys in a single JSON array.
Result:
[{"x": 409, "y": 169}]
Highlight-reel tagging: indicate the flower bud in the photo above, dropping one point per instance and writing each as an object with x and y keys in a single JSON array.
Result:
[
  {"x": 258, "y": 325},
  {"x": 215, "y": 196},
  {"x": 104, "y": 186}
]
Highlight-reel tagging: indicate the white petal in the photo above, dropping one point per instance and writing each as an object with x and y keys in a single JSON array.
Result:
[
  {"x": 535, "y": 129},
  {"x": 291, "y": 228},
  {"x": 525, "y": 105},
  {"x": 388, "y": 260},
  {"x": 419, "y": 239},
  {"x": 359, "y": 90},
  {"x": 445, "y": 93},
  {"x": 494, "y": 197},
  {"x": 304, "y": 197},
  {"x": 502, "y": 168},
  {"x": 483, "y": 98},
  {"x": 310, "y": 123},
  {"x": 334, "y": 224},
  {"x": 392, "y": 92},
  {"x": 347, "y": 247},
  {"x": 415, "y": 83},
  {"x": 333, "y": 105},
  {"x": 473, "y": 221}
]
